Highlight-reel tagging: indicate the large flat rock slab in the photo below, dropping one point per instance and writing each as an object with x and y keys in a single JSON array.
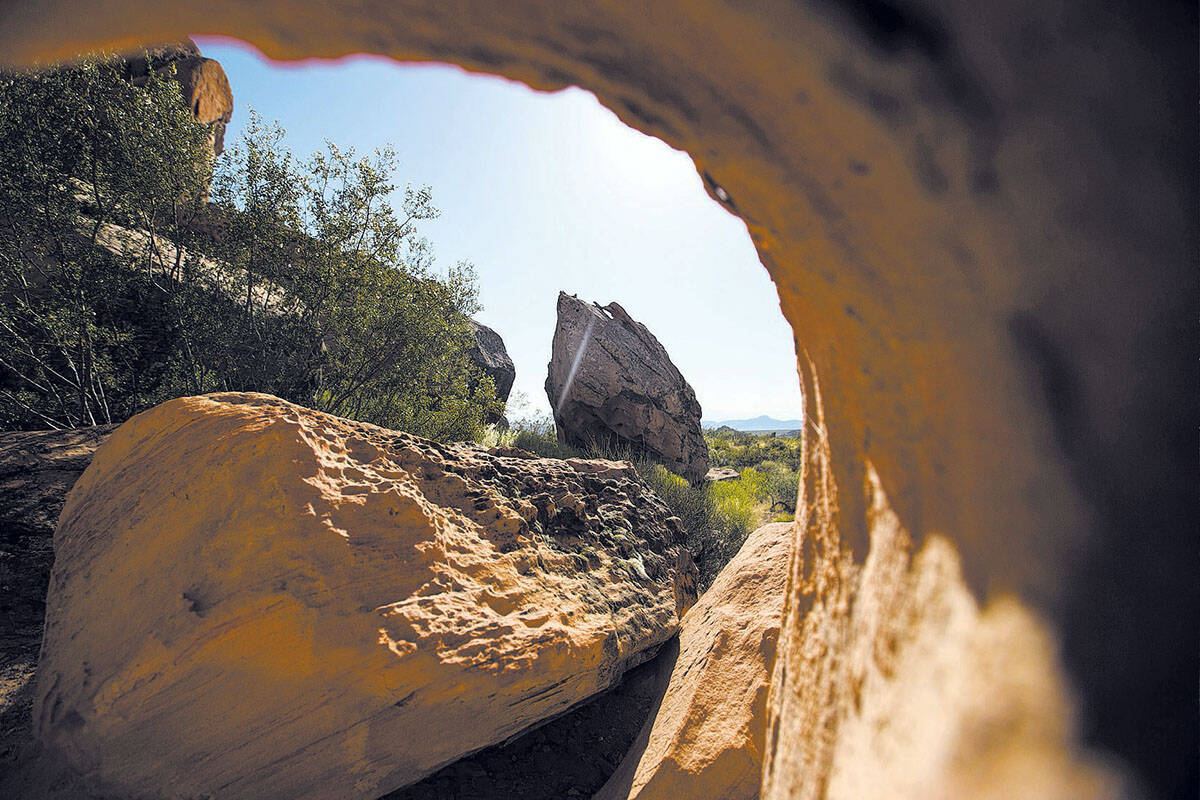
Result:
[{"x": 255, "y": 600}]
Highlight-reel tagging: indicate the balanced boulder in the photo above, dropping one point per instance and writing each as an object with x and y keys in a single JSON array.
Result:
[
  {"x": 255, "y": 600},
  {"x": 708, "y": 735},
  {"x": 612, "y": 383}
]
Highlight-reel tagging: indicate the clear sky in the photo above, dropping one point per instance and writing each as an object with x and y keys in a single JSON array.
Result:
[{"x": 543, "y": 192}]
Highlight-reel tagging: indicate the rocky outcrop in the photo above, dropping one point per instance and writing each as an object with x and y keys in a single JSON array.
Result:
[
  {"x": 37, "y": 469},
  {"x": 708, "y": 734},
  {"x": 980, "y": 219},
  {"x": 490, "y": 355},
  {"x": 203, "y": 81},
  {"x": 252, "y": 599},
  {"x": 610, "y": 382},
  {"x": 718, "y": 474}
]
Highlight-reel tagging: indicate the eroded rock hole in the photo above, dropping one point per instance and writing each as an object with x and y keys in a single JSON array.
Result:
[
  {"x": 1026, "y": 162},
  {"x": 596, "y": 477}
]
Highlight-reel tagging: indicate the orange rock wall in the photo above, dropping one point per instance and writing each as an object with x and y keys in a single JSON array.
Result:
[{"x": 981, "y": 221}]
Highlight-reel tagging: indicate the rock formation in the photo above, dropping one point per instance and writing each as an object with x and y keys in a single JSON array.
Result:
[
  {"x": 490, "y": 355},
  {"x": 708, "y": 735},
  {"x": 981, "y": 222},
  {"x": 203, "y": 82},
  {"x": 255, "y": 600},
  {"x": 610, "y": 382}
]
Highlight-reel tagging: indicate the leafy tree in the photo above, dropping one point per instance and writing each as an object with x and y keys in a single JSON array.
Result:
[
  {"x": 86, "y": 158},
  {"x": 124, "y": 288},
  {"x": 338, "y": 299}
]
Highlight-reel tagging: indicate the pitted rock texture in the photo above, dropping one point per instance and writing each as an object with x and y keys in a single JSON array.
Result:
[
  {"x": 490, "y": 355},
  {"x": 611, "y": 382},
  {"x": 708, "y": 735},
  {"x": 255, "y": 600},
  {"x": 37, "y": 469}
]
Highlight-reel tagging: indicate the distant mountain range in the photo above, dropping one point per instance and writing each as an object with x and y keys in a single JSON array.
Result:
[{"x": 762, "y": 423}]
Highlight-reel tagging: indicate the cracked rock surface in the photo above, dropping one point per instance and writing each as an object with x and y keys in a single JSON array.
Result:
[{"x": 612, "y": 383}]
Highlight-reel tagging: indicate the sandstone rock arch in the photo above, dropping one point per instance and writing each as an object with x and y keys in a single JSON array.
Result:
[{"x": 981, "y": 222}]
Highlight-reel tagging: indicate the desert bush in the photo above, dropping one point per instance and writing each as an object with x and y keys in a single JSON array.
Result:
[
  {"x": 303, "y": 281},
  {"x": 536, "y": 433},
  {"x": 712, "y": 534},
  {"x": 372, "y": 332},
  {"x": 780, "y": 485},
  {"x": 737, "y": 501},
  {"x": 730, "y": 448}
]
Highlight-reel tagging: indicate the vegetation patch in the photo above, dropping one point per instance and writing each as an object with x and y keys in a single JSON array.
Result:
[
  {"x": 135, "y": 270},
  {"x": 717, "y": 517}
]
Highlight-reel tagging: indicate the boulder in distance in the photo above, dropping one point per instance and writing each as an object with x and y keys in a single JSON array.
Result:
[{"x": 612, "y": 384}]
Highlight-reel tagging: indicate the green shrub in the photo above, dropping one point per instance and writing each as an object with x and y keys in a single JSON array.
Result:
[
  {"x": 716, "y": 517},
  {"x": 535, "y": 434},
  {"x": 729, "y": 448},
  {"x": 781, "y": 486},
  {"x": 736, "y": 501},
  {"x": 121, "y": 287},
  {"x": 544, "y": 446}
]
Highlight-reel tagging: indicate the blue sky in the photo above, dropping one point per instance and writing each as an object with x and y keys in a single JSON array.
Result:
[{"x": 543, "y": 192}]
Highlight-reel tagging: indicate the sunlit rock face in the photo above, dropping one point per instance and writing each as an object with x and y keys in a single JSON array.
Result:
[
  {"x": 255, "y": 600},
  {"x": 202, "y": 81},
  {"x": 708, "y": 735},
  {"x": 908, "y": 688},
  {"x": 611, "y": 383},
  {"x": 980, "y": 218}
]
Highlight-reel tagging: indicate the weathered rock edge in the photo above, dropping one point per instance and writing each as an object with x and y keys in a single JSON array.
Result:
[
  {"x": 708, "y": 735},
  {"x": 252, "y": 599}
]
